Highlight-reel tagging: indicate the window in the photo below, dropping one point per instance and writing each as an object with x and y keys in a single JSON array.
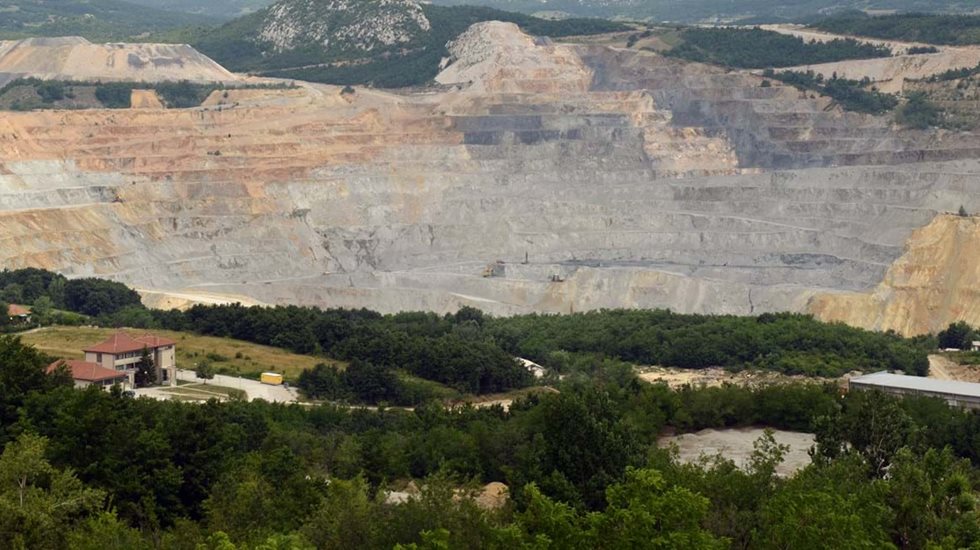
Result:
[{"x": 99, "y": 358}]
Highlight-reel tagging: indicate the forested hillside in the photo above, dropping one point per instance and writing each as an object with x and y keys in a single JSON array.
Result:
[
  {"x": 475, "y": 354},
  {"x": 930, "y": 28},
  {"x": 96, "y": 20},
  {"x": 690, "y": 11},
  {"x": 218, "y": 9},
  {"x": 581, "y": 465},
  {"x": 756, "y": 48}
]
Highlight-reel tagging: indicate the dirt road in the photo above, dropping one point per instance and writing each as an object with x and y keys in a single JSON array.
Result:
[
  {"x": 939, "y": 367},
  {"x": 943, "y": 368}
]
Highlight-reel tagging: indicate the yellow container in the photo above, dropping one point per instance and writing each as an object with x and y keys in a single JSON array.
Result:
[{"x": 271, "y": 378}]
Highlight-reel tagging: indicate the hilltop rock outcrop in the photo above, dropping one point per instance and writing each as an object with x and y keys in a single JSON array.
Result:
[
  {"x": 497, "y": 57},
  {"x": 551, "y": 177},
  {"x": 379, "y": 24}
]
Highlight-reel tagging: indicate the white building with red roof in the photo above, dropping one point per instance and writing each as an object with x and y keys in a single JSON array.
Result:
[
  {"x": 121, "y": 352},
  {"x": 86, "y": 374}
]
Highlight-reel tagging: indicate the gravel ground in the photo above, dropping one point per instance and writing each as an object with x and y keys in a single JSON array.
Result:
[{"x": 736, "y": 445}]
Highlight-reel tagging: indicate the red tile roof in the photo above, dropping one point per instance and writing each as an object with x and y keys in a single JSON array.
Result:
[
  {"x": 14, "y": 310},
  {"x": 121, "y": 342},
  {"x": 154, "y": 341},
  {"x": 89, "y": 372}
]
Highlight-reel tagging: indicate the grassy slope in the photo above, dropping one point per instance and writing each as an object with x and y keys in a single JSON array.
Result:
[{"x": 68, "y": 342}]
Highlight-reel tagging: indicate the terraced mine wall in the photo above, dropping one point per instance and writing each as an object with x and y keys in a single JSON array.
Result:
[{"x": 616, "y": 179}]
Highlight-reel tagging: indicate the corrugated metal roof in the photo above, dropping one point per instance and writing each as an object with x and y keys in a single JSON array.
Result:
[{"x": 919, "y": 383}]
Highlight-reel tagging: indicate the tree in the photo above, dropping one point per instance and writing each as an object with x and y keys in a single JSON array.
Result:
[
  {"x": 106, "y": 532},
  {"x": 346, "y": 518},
  {"x": 22, "y": 372},
  {"x": 204, "y": 370},
  {"x": 39, "y": 503},
  {"x": 145, "y": 372},
  {"x": 931, "y": 497},
  {"x": 958, "y": 335},
  {"x": 872, "y": 425},
  {"x": 919, "y": 113},
  {"x": 644, "y": 512},
  {"x": 4, "y": 315}
]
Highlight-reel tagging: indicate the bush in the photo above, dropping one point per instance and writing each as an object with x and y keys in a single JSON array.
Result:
[
  {"x": 918, "y": 113},
  {"x": 116, "y": 95},
  {"x": 183, "y": 94},
  {"x": 51, "y": 91},
  {"x": 850, "y": 94}
]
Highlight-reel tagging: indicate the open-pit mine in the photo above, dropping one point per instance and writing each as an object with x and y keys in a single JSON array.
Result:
[{"x": 538, "y": 176}]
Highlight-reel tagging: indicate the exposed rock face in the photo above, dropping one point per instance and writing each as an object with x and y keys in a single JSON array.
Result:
[
  {"x": 363, "y": 25},
  {"x": 566, "y": 178},
  {"x": 74, "y": 58},
  {"x": 497, "y": 57},
  {"x": 936, "y": 281}
]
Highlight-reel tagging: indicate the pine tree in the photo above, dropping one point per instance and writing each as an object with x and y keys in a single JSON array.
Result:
[{"x": 145, "y": 374}]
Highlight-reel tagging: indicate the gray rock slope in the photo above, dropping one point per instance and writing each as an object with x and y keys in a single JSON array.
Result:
[{"x": 657, "y": 184}]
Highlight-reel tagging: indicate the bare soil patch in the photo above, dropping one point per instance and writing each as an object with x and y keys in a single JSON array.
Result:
[
  {"x": 736, "y": 445},
  {"x": 711, "y": 377}
]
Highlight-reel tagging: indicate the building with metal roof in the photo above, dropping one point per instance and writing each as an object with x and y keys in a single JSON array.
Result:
[{"x": 957, "y": 394}]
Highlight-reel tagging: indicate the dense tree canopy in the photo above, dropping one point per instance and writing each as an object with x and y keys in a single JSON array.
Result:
[
  {"x": 760, "y": 49},
  {"x": 581, "y": 463},
  {"x": 910, "y": 27}
]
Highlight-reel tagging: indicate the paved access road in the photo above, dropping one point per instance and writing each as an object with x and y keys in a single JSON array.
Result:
[{"x": 253, "y": 388}]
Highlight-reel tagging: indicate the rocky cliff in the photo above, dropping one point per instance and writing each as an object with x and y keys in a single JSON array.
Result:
[
  {"x": 546, "y": 177},
  {"x": 363, "y": 25},
  {"x": 936, "y": 281}
]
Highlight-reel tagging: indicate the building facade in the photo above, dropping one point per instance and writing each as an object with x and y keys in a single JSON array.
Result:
[{"x": 121, "y": 352}]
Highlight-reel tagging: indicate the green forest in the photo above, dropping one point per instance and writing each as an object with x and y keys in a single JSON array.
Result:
[
  {"x": 474, "y": 353},
  {"x": 96, "y": 20},
  {"x": 756, "y": 48},
  {"x": 953, "y": 30},
  {"x": 89, "y": 469}
]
